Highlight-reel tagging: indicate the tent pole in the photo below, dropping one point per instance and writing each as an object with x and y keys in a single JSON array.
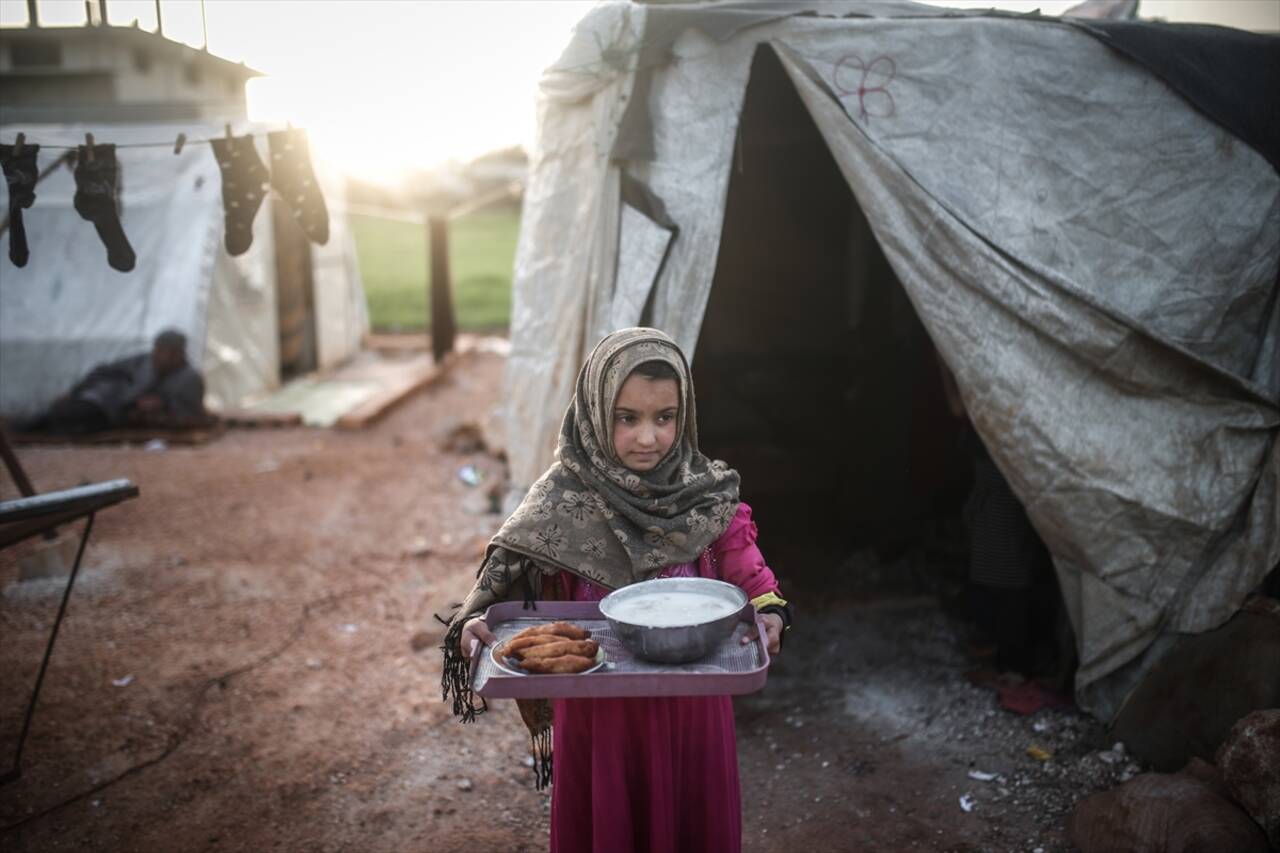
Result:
[{"x": 439, "y": 289}]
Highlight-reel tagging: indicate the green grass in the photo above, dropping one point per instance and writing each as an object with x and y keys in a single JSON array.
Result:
[{"x": 393, "y": 263}]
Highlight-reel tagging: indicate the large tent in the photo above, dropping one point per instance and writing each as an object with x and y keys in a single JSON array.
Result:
[
  {"x": 1082, "y": 222},
  {"x": 67, "y": 310}
]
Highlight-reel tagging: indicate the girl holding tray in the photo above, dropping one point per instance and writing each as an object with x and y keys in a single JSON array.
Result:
[{"x": 629, "y": 499}]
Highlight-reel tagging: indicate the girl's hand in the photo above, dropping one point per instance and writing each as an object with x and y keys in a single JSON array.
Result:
[
  {"x": 772, "y": 633},
  {"x": 474, "y": 633}
]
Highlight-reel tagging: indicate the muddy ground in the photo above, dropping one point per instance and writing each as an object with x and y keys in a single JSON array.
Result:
[{"x": 236, "y": 672}]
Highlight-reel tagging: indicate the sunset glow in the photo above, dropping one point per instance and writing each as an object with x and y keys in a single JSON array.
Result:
[{"x": 389, "y": 86}]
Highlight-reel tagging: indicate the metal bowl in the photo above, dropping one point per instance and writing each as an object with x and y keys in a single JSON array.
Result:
[{"x": 664, "y": 636}]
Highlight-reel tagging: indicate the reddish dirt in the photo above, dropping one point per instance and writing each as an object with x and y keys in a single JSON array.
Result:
[{"x": 263, "y": 592}]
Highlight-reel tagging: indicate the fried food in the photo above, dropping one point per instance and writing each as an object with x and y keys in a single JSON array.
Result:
[
  {"x": 565, "y": 664},
  {"x": 562, "y": 629},
  {"x": 581, "y": 648},
  {"x": 512, "y": 647}
]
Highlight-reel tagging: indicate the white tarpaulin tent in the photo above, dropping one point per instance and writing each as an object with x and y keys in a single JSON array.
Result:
[
  {"x": 67, "y": 310},
  {"x": 1093, "y": 257}
]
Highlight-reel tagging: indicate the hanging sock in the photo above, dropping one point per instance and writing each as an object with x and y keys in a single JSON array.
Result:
[
  {"x": 97, "y": 200},
  {"x": 245, "y": 182},
  {"x": 293, "y": 178},
  {"x": 20, "y": 174}
]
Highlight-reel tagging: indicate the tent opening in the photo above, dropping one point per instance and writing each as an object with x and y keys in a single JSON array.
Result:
[{"x": 816, "y": 379}]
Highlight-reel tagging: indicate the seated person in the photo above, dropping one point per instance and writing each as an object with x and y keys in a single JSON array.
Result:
[{"x": 155, "y": 389}]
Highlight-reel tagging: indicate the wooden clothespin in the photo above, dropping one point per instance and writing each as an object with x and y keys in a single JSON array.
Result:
[
  {"x": 18, "y": 142},
  {"x": 88, "y": 145},
  {"x": 179, "y": 142}
]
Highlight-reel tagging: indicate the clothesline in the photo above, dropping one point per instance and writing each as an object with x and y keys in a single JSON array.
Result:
[
  {"x": 246, "y": 181},
  {"x": 177, "y": 144}
]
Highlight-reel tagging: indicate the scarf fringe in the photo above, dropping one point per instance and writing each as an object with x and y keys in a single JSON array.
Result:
[
  {"x": 455, "y": 676},
  {"x": 541, "y": 748}
]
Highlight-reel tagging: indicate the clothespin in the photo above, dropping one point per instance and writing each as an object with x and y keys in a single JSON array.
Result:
[
  {"x": 18, "y": 142},
  {"x": 88, "y": 144},
  {"x": 179, "y": 142}
]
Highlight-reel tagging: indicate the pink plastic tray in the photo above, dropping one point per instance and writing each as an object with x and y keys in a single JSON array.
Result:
[{"x": 732, "y": 669}]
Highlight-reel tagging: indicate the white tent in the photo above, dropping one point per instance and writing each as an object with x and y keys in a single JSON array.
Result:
[
  {"x": 67, "y": 310},
  {"x": 1093, "y": 257}
]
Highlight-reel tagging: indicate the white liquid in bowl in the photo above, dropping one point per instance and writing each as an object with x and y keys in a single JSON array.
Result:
[{"x": 671, "y": 609}]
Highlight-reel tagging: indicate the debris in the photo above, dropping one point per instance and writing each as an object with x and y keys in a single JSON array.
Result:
[
  {"x": 314, "y": 663},
  {"x": 470, "y": 474},
  {"x": 349, "y": 628},
  {"x": 1030, "y": 697},
  {"x": 123, "y": 682},
  {"x": 1039, "y": 753},
  {"x": 967, "y": 803},
  {"x": 1114, "y": 755},
  {"x": 156, "y": 445},
  {"x": 418, "y": 548},
  {"x": 421, "y": 640},
  {"x": 1040, "y": 726},
  {"x": 465, "y": 785},
  {"x": 266, "y": 466},
  {"x": 466, "y": 437},
  {"x": 983, "y": 776}
]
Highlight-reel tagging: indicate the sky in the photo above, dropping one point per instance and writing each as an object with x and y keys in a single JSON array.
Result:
[{"x": 388, "y": 86}]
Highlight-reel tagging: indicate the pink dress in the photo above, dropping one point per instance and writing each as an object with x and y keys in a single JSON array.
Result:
[{"x": 655, "y": 775}]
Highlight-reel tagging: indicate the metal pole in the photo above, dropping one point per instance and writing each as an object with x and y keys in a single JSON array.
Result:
[
  {"x": 204, "y": 27},
  {"x": 33, "y": 14},
  {"x": 11, "y": 462},
  {"x": 16, "y": 772},
  {"x": 443, "y": 325},
  {"x": 159, "y": 20}
]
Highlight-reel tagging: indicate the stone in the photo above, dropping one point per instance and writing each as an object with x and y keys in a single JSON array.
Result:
[
  {"x": 1190, "y": 700},
  {"x": 1165, "y": 813},
  {"x": 52, "y": 558},
  {"x": 1249, "y": 760}
]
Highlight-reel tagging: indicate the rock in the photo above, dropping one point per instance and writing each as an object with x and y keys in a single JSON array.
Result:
[
  {"x": 50, "y": 559},
  {"x": 465, "y": 785},
  {"x": 1164, "y": 813},
  {"x": 1172, "y": 715},
  {"x": 463, "y": 438},
  {"x": 1249, "y": 760}
]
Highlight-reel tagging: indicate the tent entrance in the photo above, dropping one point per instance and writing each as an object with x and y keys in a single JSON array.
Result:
[{"x": 815, "y": 378}]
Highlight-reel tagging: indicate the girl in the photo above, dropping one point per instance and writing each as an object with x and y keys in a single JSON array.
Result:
[{"x": 629, "y": 498}]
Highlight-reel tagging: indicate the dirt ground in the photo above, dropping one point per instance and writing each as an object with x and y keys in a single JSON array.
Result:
[{"x": 236, "y": 672}]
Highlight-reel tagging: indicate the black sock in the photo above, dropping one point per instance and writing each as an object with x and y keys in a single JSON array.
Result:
[
  {"x": 97, "y": 183},
  {"x": 294, "y": 179},
  {"x": 245, "y": 182},
  {"x": 20, "y": 173}
]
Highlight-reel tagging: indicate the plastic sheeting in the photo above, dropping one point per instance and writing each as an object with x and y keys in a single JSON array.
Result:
[
  {"x": 67, "y": 311},
  {"x": 1095, "y": 259}
]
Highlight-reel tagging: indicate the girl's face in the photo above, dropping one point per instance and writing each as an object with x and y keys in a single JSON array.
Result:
[{"x": 644, "y": 421}]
